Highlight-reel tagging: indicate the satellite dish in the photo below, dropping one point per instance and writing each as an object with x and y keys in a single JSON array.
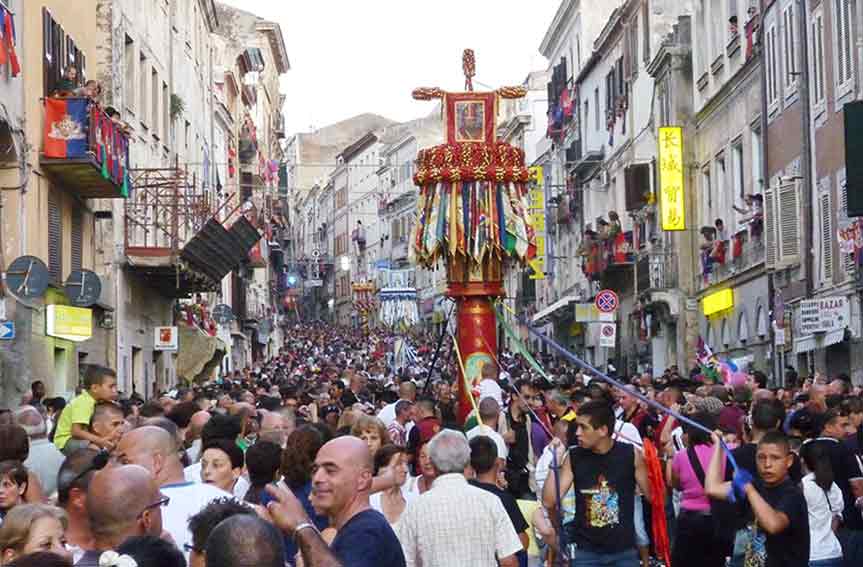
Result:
[
  {"x": 222, "y": 314},
  {"x": 27, "y": 277},
  {"x": 83, "y": 288}
]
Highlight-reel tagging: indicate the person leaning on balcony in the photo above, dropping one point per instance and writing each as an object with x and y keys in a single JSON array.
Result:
[
  {"x": 91, "y": 89},
  {"x": 67, "y": 85}
]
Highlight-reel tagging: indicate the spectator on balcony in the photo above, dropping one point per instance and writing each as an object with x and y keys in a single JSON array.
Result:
[
  {"x": 752, "y": 213},
  {"x": 67, "y": 85},
  {"x": 721, "y": 232},
  {"x": 91, "y": 89},
  {"x": 614, "y": 227}
]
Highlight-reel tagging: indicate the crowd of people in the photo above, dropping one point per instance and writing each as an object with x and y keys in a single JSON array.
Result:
[{"x": 327, "y": 455}]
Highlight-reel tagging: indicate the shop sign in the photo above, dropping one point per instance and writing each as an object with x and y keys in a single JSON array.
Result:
[
  {"x": 165, "y": 338},
  {"x": 824, "y": 315},
  {"x": 536, "y": 198},
  {"x": 717, "y": 302},
  {"x": 671, "y": 203},
  {"x": 71, "y": 323},
  {"x": 588, "y": 313}
]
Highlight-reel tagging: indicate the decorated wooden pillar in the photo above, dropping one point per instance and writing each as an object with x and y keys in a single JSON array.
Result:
[{"x": 472, "y": 214}]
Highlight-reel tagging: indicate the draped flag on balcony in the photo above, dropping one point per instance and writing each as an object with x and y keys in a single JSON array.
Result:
[
  {"x": 66, "y": 126},
  {"x": 7, "y": 42}
]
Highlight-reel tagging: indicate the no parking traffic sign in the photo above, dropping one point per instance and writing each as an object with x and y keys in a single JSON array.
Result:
[{"x": 607, "y": 301}]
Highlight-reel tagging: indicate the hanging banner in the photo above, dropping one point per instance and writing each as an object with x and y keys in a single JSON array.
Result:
[
  {"x": 671, "y": 202},
  {"x": 537, "y": 217}
]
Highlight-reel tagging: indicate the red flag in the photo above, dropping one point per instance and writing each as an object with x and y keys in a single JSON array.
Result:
[{"x": 9, "y": 39}]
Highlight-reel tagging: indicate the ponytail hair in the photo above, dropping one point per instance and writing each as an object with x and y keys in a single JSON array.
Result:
[{"x": 817, "y": 459}]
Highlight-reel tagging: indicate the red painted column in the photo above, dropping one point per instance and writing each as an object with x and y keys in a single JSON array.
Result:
[{"x": 477, "y": 335}]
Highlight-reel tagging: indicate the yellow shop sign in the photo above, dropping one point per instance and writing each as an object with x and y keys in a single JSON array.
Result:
[{"x": 70, "y": 323}]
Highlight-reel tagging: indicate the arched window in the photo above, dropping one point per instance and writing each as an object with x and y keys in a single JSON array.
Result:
[
  {"x": 743, "y": 328},
  {"x": 726, "y": 340},
  {"x": 708, "y": 335},
  {"x": 761, "y": 322}
]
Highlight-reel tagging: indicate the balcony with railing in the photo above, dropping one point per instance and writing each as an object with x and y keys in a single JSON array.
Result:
[
  {"x": 84, "y": 150},
  {"x": 725, "y": 259},
  {"x": 176, "y": 237},
  {"x": 657, "y": 271}
]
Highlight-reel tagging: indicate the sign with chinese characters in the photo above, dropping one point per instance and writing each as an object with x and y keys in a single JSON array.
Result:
[
  {"x": 717, "y": 302},
  {"x": 824, "y": 315},
  {"x": 165, "y": 338},
  {"x": 671, "y": 203},
  {"x": 537, "y": 219}
]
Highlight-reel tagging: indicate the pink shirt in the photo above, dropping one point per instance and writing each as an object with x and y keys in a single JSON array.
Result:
[{"x": 692, "y": 492}]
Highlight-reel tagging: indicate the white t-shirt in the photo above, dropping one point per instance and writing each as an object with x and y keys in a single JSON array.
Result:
[
  {"x": 490, "y": 389},
  {"x": 822, "y": 505},
  {"x": 193, "y": 474},
  {"x": 387, "y": 415},
  {"x": 627, "y": 433},
  {"x": 187, "y": 499},
  {"x": 481, "y": 429}
]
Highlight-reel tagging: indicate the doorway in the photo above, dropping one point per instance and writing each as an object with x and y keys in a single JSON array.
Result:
[{"x": 61, "y": 369}]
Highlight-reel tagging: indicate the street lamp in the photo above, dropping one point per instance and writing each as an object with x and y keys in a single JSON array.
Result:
[{"x": 331, "y": 303}]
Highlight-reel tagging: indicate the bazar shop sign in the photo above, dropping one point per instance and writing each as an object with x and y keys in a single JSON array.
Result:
[
  {"x": 716, "y": 302},
  {"x": 824, "y": 315},
  {"x": 71, "y": 323}
]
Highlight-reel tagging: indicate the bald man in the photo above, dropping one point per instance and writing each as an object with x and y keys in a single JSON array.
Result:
[
  {"x": 154, "y": 449},
  {"x": 341, "y": 485},
  {"x": 193, "y": 434},
  {"x": 122, "y": 502}
]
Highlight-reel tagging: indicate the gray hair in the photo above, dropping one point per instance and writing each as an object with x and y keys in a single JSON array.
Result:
[
  {"x": 29, "y": 418},
  {"x": 449, "y": 451},
  {"x": 558, "y": 397}
]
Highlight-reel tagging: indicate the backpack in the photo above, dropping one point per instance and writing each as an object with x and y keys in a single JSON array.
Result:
[{"x": 724, "y": 513}]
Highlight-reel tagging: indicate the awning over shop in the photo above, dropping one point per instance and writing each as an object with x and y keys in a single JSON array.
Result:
[
  {"x": 812, "y": 342},
  {"x": 556, "y": 306}
]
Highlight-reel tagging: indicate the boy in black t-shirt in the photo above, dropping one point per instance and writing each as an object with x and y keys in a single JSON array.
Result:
[{"x": 777, "y": 505}]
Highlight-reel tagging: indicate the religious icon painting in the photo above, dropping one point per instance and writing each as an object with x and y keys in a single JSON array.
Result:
[
  {"x": 470, "y": 121},
  {"x": 470, "y": 117}
]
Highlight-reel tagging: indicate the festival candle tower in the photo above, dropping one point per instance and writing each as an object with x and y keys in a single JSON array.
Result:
[{"x": 473, "y": 214}]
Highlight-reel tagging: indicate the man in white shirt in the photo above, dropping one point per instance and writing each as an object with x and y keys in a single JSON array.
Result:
[
  {"x": 486, "y": 536},
  {"x": 489, "y": 414},
  {"x": 155, "y": 450},
  {"x": 44, "y": 459},
  {"x": 407, "y": 391}
]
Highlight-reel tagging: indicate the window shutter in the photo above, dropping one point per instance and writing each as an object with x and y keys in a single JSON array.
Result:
[
  {"x": 645, "y": 8},
  {"x": 826, "y": 237},
  {"x": 770, "y": 227},
  {"x": 77, "y": 239},
  {"x": 841, "y": 13},
  {"x": 848, "y": 264},
  {"x": 55, "y": 239},
  {"x": 788, "y": 235}
]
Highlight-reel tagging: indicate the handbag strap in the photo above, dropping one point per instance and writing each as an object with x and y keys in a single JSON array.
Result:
[{"x": 698, "y": 469}]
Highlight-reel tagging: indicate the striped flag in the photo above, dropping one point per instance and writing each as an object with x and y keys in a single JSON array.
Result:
[{"x": 410, "y": 353}]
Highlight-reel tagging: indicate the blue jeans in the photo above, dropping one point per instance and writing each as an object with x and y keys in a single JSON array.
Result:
[
  {"x": 584, "y": 558},
  {"x": 833, "y": 562}
]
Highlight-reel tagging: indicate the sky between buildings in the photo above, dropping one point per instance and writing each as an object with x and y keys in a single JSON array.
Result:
[{"x": 353, "y": 56}]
